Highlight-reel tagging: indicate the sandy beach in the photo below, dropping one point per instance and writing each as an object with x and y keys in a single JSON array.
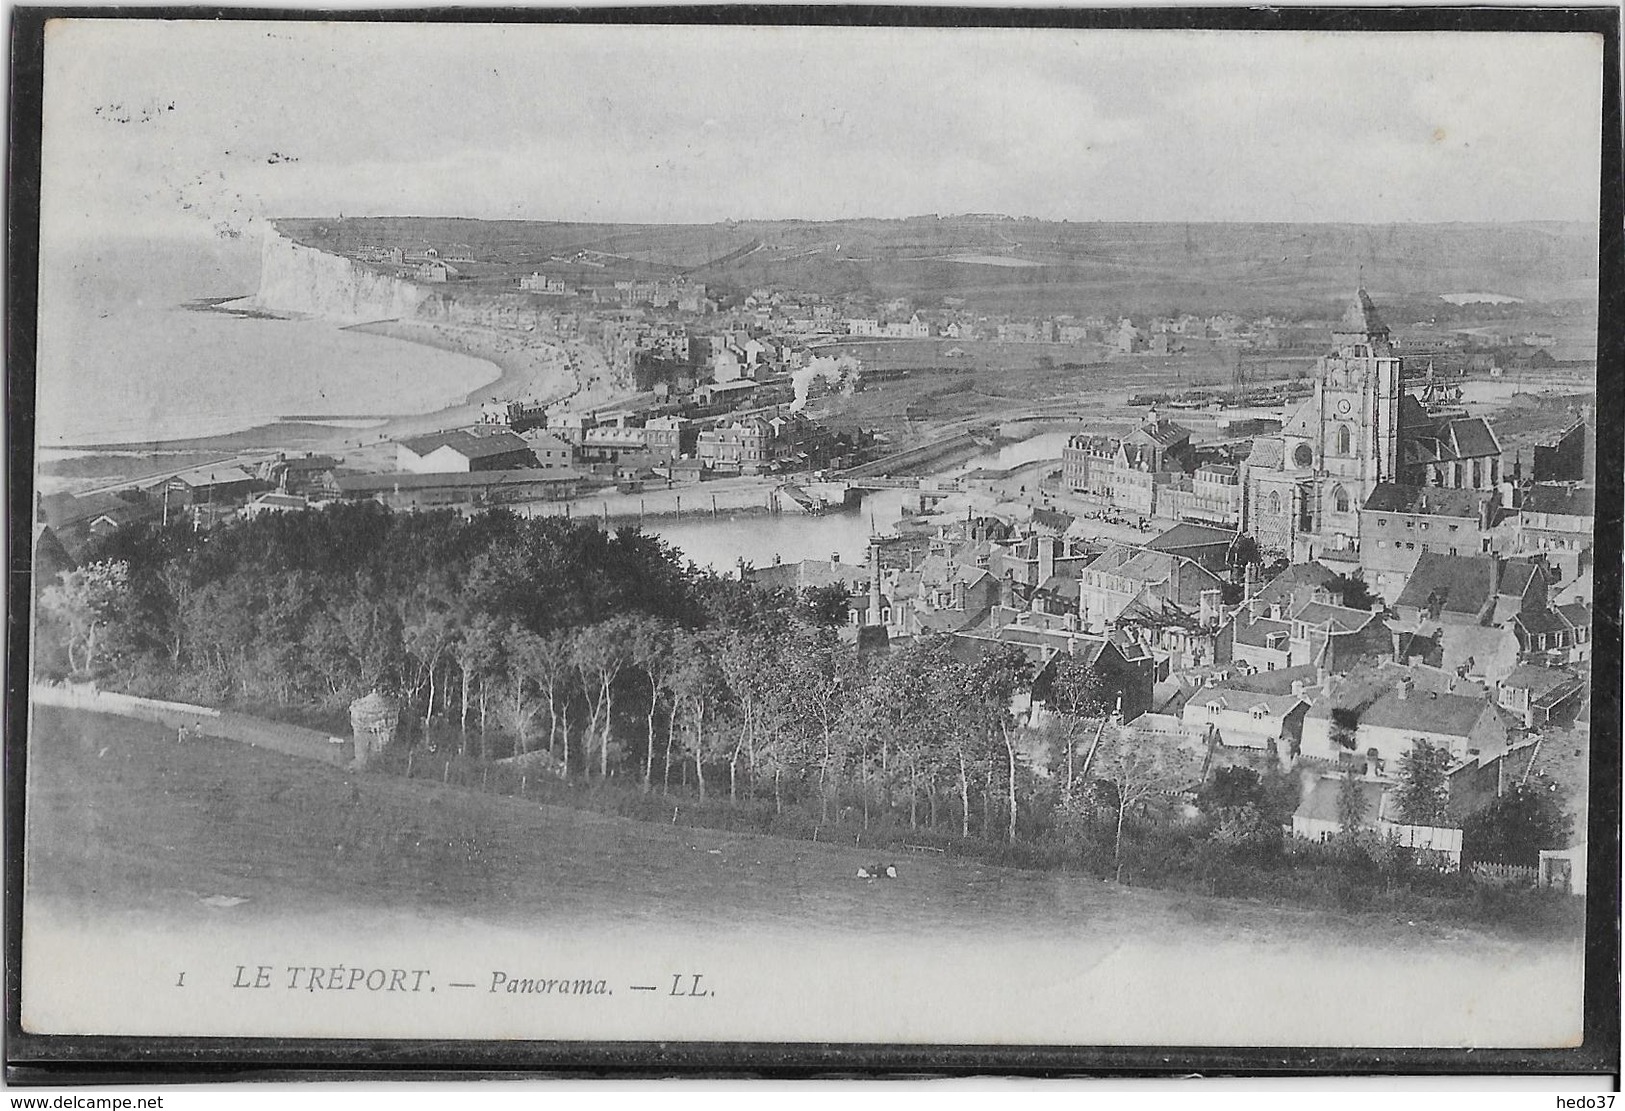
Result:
[{"x": 534, "y": 368}]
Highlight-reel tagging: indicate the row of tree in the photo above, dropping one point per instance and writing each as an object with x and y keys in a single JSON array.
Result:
[{"x": 506, "y": 638}]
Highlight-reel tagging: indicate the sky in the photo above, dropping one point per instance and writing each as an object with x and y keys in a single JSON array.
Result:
[{"x": 195, "y": 124}]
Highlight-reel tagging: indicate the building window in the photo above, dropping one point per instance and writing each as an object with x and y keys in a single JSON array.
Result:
[
  {"x": 1340, "y": 499},
  {"x": 1344, "y": 439},
  {"x": 1382, "y": 521},
  {"x": 1453, "y": 528},
  {"x": 1275, "y": 501},
  {"x": 1410, "y": 523},
  {"x": 1478, "y": 473}
]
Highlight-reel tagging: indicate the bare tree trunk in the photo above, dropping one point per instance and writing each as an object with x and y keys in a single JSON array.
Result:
[
  {"x": 649, "y": 753},
  {"x": 608, "y": 702},
  {"x": 699, "y": 749},
  {"x": 1117, "y": 853},
  {"x": 987, "y": 796},
  {"x": 671, "y": 734},
  {"x": 564, "y": 733},
  {"x": 1010, "y": 753},
  {"x": 428, "y": 715},
  {"x": 913, "y": 798},
  {"x": 964, "y": 798}
]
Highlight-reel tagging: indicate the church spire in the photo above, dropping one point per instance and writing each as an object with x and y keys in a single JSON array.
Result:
[{"x": 1362, "y": 326}]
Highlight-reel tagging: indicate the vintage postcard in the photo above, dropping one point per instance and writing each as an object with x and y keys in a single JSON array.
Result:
[{"x": 1033, "y": 535}]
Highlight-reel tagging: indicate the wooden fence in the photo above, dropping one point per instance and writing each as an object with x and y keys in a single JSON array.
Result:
[{"x": 1506, "y": 875}]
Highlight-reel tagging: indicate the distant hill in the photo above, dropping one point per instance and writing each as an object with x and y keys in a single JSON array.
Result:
[{"x": 1000, "y": 263}]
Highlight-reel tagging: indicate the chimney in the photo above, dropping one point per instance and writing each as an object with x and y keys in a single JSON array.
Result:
[
  {"x": 1297, "y": 688},
  {"x": 1323, "y": 676},
  {"x": 1249, "y": 582},
  {"x": 1486, "y": 512},
  {"x": 1046, "y": 559},
  {"x": 1403, "y": 686}
]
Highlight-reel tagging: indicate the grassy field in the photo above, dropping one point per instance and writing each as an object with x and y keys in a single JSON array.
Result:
[
  {"x": 157, "y": 870},
  {"x": 123, "y": 819}
]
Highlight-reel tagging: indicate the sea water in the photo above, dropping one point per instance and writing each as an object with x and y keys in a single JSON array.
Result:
[{"x": 123, "y": 359}]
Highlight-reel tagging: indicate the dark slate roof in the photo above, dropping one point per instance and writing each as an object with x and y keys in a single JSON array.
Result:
[
  {"x": 1537, "y": 680},
  {"x": 1573, "y": 501},
  {"x": 1435, "y": 501},
  {"x": 1257, "y": 632},
  {"x": 65, "y": 510},
  {"x": 1340, "y": 619},
  {"x": 1278, "y": 681},
  {"x": 1466, "y": 582},
  {"x": 1542, "y": 621},
  {"x": 379, "y": 483},
  {"x": 1188, "y": 535},
  {"x": 1577, "y": 614},
  {"x": 1297, "y": 577},
  {"x": 1412, "y": 416},
  {"x": 1231, "y": 698},
  {"x": 1062, "y": 586},
  {"x": 1268, "y": 453},
  {"x": 1419, "y": 451},
  {"x": 1453, "y": 715},
  {"x": 1516, "y": 577},
  {"x": 1559, "y": 694},
  {"x": 467, "y": 444},
  {"x": 1472, "y": 437},
  {"x": 1165, "y": 432}
]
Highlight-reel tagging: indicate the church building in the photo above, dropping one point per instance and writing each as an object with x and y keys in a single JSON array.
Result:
[{"x": 1304, "y": 488}]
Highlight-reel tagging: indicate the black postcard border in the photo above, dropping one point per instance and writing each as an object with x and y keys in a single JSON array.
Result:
[{"x": 32, "y": 1059}]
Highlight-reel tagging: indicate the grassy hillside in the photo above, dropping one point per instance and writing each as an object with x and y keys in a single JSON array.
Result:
[
  {"x": 1001, "y": 263},
  {"x": 123, "y": 818}
]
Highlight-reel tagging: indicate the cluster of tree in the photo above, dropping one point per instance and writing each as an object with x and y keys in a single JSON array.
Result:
[{"x": 505, "y": 636}]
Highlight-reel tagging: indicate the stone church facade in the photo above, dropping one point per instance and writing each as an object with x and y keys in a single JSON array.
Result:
[{"x": 1303, "y": 489}]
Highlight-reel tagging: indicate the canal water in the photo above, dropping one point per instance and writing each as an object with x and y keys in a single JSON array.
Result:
[{"x": 719, "y": 543}]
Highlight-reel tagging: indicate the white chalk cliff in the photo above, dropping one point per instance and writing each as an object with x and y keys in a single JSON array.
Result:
[{"x": 299, "y": 279}]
